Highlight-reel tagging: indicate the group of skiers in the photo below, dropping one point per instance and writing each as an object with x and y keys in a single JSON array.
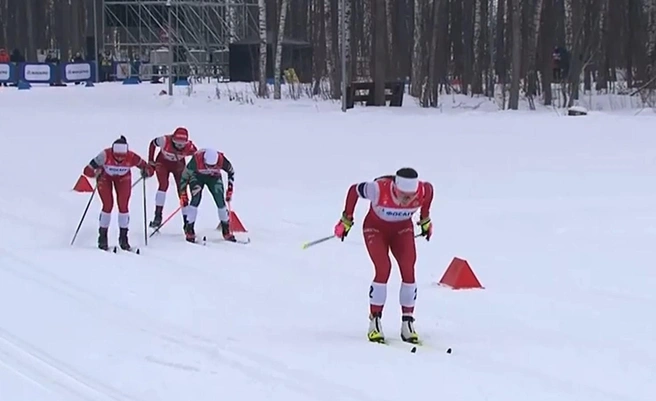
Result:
[
  {"x": 112, "y": 170},
  {"x": 388, "y": 226}
]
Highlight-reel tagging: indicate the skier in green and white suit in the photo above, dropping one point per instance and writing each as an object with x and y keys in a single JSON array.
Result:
[{"x": 204, "y": 169}]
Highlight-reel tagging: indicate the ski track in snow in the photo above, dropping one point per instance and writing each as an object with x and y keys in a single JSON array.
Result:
[
  {"x": 557, "y": 222},
  {"x": 256, "y": 366}
]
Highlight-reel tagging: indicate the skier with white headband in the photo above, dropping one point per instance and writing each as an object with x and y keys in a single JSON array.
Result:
[
  {"x": 388, "y": 227},
  {"x": 111, "y": 168},
  {"x": 204, "y": 170}
]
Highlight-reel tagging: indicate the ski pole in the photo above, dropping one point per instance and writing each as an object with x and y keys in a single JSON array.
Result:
[
  {"x": 134, "y": 184},
  {"x": 317, "y": 241},
  {"x": 170, "y": 216},
  {"x": 86, "y": 209},
  {"x": 145, "y": 223}
]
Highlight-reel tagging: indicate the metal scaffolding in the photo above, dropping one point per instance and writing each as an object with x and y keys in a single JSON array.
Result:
[{"x": 197, "y": 33}]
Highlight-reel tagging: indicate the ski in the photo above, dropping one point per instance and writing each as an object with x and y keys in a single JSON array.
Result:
[
  {"x": 240, "y": 241},
  {"x": 393, "y": 344},
  {"x": 135, "y": 250},
  {"x": 117, "y": 249},
  {"x": 205, "y": 241},
  {"x": 398, "y": 343},
  {"x": 412, "y": 347}
]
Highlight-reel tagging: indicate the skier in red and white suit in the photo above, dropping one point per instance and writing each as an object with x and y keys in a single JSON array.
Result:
[
  {"x": 112, "y": 170},
  {"x": 388, "y": 227},
  {"x": 170, "y": 160}
]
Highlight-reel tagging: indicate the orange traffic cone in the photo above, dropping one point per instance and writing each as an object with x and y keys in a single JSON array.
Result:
[
  {"x": 82, "y": 185},
  {"x": 460, "y": 276},
  {"x": 235, "y": 224}
]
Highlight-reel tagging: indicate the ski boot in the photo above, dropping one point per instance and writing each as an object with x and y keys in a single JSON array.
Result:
[
  {"x": 190, "y": 234},
  {"x": 103, "y": 243},
  {"x": 408, "y": 333},
  {"x": 227, "y": 234},
  {"x": 123, "y": 239},
  {"x": 157, "y": 221},
  {"x": 375, "y": 333},
  {"x": 184, "y": 222}
]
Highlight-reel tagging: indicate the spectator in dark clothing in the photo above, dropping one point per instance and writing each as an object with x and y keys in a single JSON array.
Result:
[
  {"x": 78, "y": 58},
  {"x": 560, "y": 60},
  {"x": 17, "y": 57},
  {"x": 105, "y": 67},
  {"x": 53, "y": 59}
]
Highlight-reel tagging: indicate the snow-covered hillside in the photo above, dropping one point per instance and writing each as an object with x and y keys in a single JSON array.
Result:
[{"x": 556, "y": 215}]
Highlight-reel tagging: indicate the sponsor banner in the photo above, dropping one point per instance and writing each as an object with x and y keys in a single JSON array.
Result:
[
  {"x": 76, "y": 72},
  {"x": 6, "y": 70},
  {"x": 40, "y": 73}
]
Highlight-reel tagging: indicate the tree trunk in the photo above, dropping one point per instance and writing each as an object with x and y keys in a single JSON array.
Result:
[
  {"x": 430, "y": 97},
  {"x": 547, "y": 33},
  {"x": 380, "y": 52},
  {"x": 348, "y": 15},
  {"x": 263, "y": 90},
  {"x": 331, "y": 61},
  {"x": 418, "y": 49},
  {"x": 480, "y": 40},
  {"x": 284, "y": 4},
  {"x": 513, "y": 101},
  {"x": 532, "y": 45}
]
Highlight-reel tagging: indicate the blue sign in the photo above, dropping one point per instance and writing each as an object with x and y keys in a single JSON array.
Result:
[
  {"x": 78, "y": 72},
  {"x": 37, "y": 73},
  {"x": 7, "y": 72}
]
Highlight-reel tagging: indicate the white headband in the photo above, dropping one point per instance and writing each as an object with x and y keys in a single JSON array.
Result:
[
  {"x": 406, "y": 184},
  {"x": 120, "y": 148}
]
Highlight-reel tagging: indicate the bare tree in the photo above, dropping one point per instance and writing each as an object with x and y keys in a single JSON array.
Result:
[
  {"x": 263, "y": 90},
  {"x": 532, "y": 45},
  {"x": 380, "y": 52},
  {"x": 419, "y": 49},
  {"x": 284, "y": 4},
  {"x": 430, "y": 95},
  {"x": 513, "y": 100},
  {"x": 331, "y": 53}
]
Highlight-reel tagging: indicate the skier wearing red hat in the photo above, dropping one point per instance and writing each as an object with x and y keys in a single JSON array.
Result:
[
  {"x": 170, "y": 160},
  {"x": 388, "y": 227},
  {"x": 111, "y": 167}
]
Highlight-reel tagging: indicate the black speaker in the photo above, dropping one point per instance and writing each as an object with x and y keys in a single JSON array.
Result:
[{"x": 89, "y": 48}]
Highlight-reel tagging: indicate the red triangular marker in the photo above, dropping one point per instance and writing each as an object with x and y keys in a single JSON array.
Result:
[
  {"x": 82, "y": 185},
  {"x": 235, "y": 224},
  {"x": 460, "y": 276}
]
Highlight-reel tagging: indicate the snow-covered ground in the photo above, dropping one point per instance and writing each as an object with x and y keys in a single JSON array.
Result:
[{"x": 556, "y": 215}]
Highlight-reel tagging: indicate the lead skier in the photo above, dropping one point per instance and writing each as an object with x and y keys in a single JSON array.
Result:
[
  {"x": 388, "y": 227},
  {"x": 111, "y": 167}
]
